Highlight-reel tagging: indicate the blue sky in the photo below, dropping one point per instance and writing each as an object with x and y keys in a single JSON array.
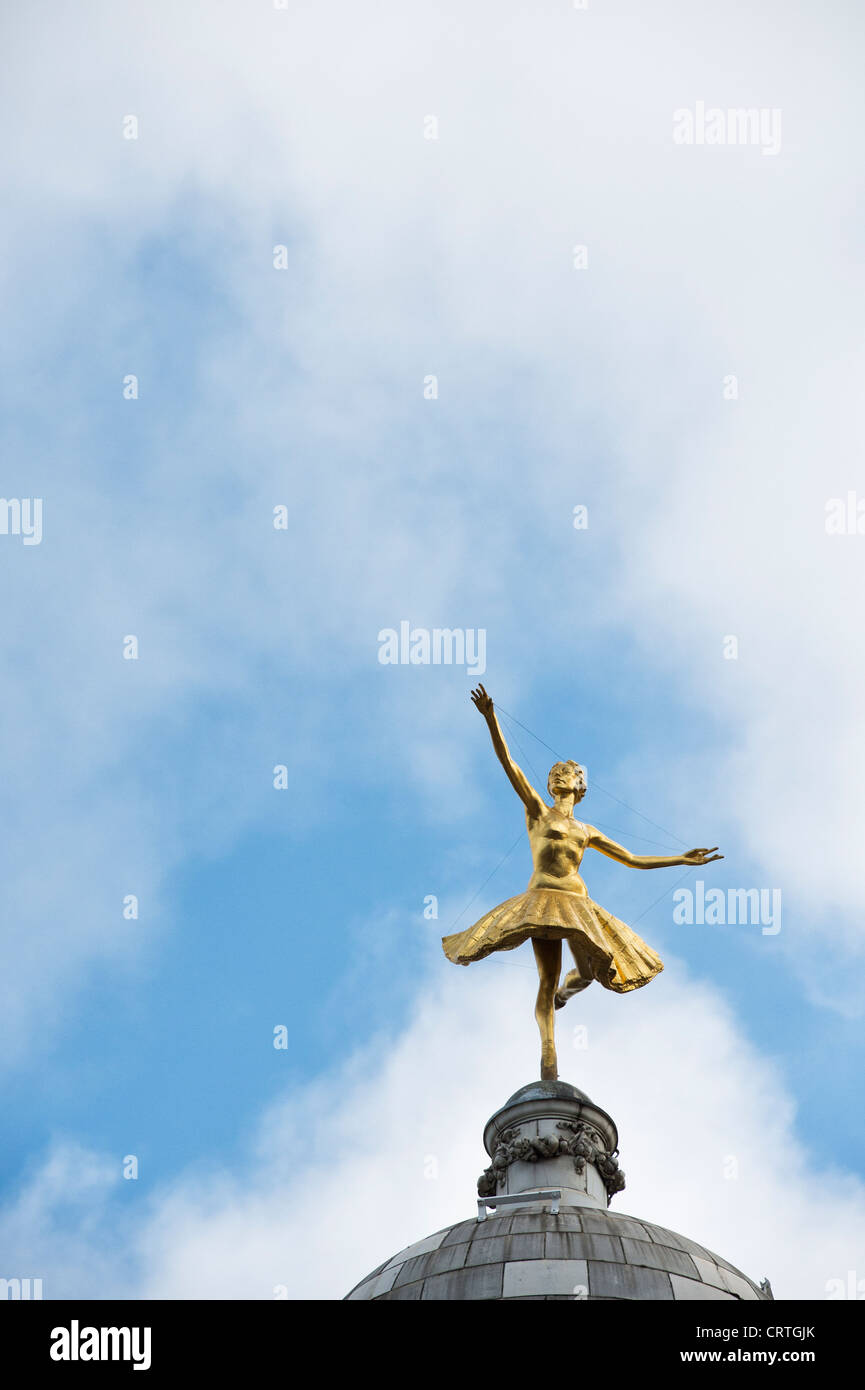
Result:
[{"x": 258, "y": 647}]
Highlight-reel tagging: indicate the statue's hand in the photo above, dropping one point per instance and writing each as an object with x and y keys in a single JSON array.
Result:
[
  {"x": 701, "y": 856},
  {"x": 482, "y": 701}
]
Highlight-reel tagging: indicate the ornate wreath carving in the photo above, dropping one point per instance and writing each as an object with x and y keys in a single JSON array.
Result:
[{"x": 579, "y": 1141}]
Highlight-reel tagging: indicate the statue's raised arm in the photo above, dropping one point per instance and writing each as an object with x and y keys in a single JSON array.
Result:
[{"x": 517, "y": 778}]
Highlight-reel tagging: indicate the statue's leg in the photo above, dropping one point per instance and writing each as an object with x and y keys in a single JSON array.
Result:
[
  {"x": 574, "y": 981},
  {"x": 548, "y": 958}
]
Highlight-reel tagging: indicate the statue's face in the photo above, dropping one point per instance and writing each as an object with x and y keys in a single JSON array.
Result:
[{"x": 567, "y": 777}]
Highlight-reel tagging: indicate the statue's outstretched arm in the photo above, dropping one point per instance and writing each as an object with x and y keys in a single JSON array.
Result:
[
  {"x": 517, "y": 778},
  {"x": 649, "y": 861}
]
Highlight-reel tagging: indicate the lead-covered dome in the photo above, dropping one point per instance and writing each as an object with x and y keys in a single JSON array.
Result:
[{"x": 554, "y": 1169}]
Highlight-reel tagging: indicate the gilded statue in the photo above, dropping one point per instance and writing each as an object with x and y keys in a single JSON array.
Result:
[{"x": 556, "y": 907}]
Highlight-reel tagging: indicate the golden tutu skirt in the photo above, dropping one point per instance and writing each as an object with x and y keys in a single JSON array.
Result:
[{"x": 604, "y": 948}]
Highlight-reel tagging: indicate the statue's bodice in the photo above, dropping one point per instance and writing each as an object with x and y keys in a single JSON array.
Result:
[{"x": 558, "y": 843}]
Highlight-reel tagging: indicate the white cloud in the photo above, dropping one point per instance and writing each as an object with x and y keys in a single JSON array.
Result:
[
  {"x": 336, "y": 1178},
  {"x": 455, "y": 256},
  {"x": 57, "y": 1229}
]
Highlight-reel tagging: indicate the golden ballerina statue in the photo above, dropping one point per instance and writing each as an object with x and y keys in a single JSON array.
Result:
[{"x": 556, "y": 906}]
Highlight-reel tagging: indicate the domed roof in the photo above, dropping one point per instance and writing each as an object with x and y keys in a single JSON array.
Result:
[
  {"x": 545, "y": 1090},
  {"x": 553, "y": 1171},
  {"x": 580, "y": 1253}
]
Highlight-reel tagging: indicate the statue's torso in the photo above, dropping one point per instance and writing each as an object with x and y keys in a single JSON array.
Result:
[{"x": 558, "y": 843}]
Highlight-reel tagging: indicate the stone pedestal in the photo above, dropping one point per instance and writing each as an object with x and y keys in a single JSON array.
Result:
[{"x": 551, "y": 1135}]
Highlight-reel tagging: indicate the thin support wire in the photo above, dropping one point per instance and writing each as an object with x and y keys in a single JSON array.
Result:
[{"x": 595, "y": 782}]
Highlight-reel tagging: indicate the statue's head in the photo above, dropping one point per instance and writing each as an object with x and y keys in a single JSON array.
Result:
[{"x": 567, "y": 777}]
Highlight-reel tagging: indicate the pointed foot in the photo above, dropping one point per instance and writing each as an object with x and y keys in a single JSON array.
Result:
[{"x": 572, "y": 984}]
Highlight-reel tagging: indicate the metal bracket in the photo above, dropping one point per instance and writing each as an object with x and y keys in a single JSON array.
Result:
[{"x": 520, "y": 1199}]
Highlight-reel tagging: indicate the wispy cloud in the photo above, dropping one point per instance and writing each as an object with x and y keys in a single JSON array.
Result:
[
  {"x": 386, "y": 1148},
  {"x": 558, "y": 386}
]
